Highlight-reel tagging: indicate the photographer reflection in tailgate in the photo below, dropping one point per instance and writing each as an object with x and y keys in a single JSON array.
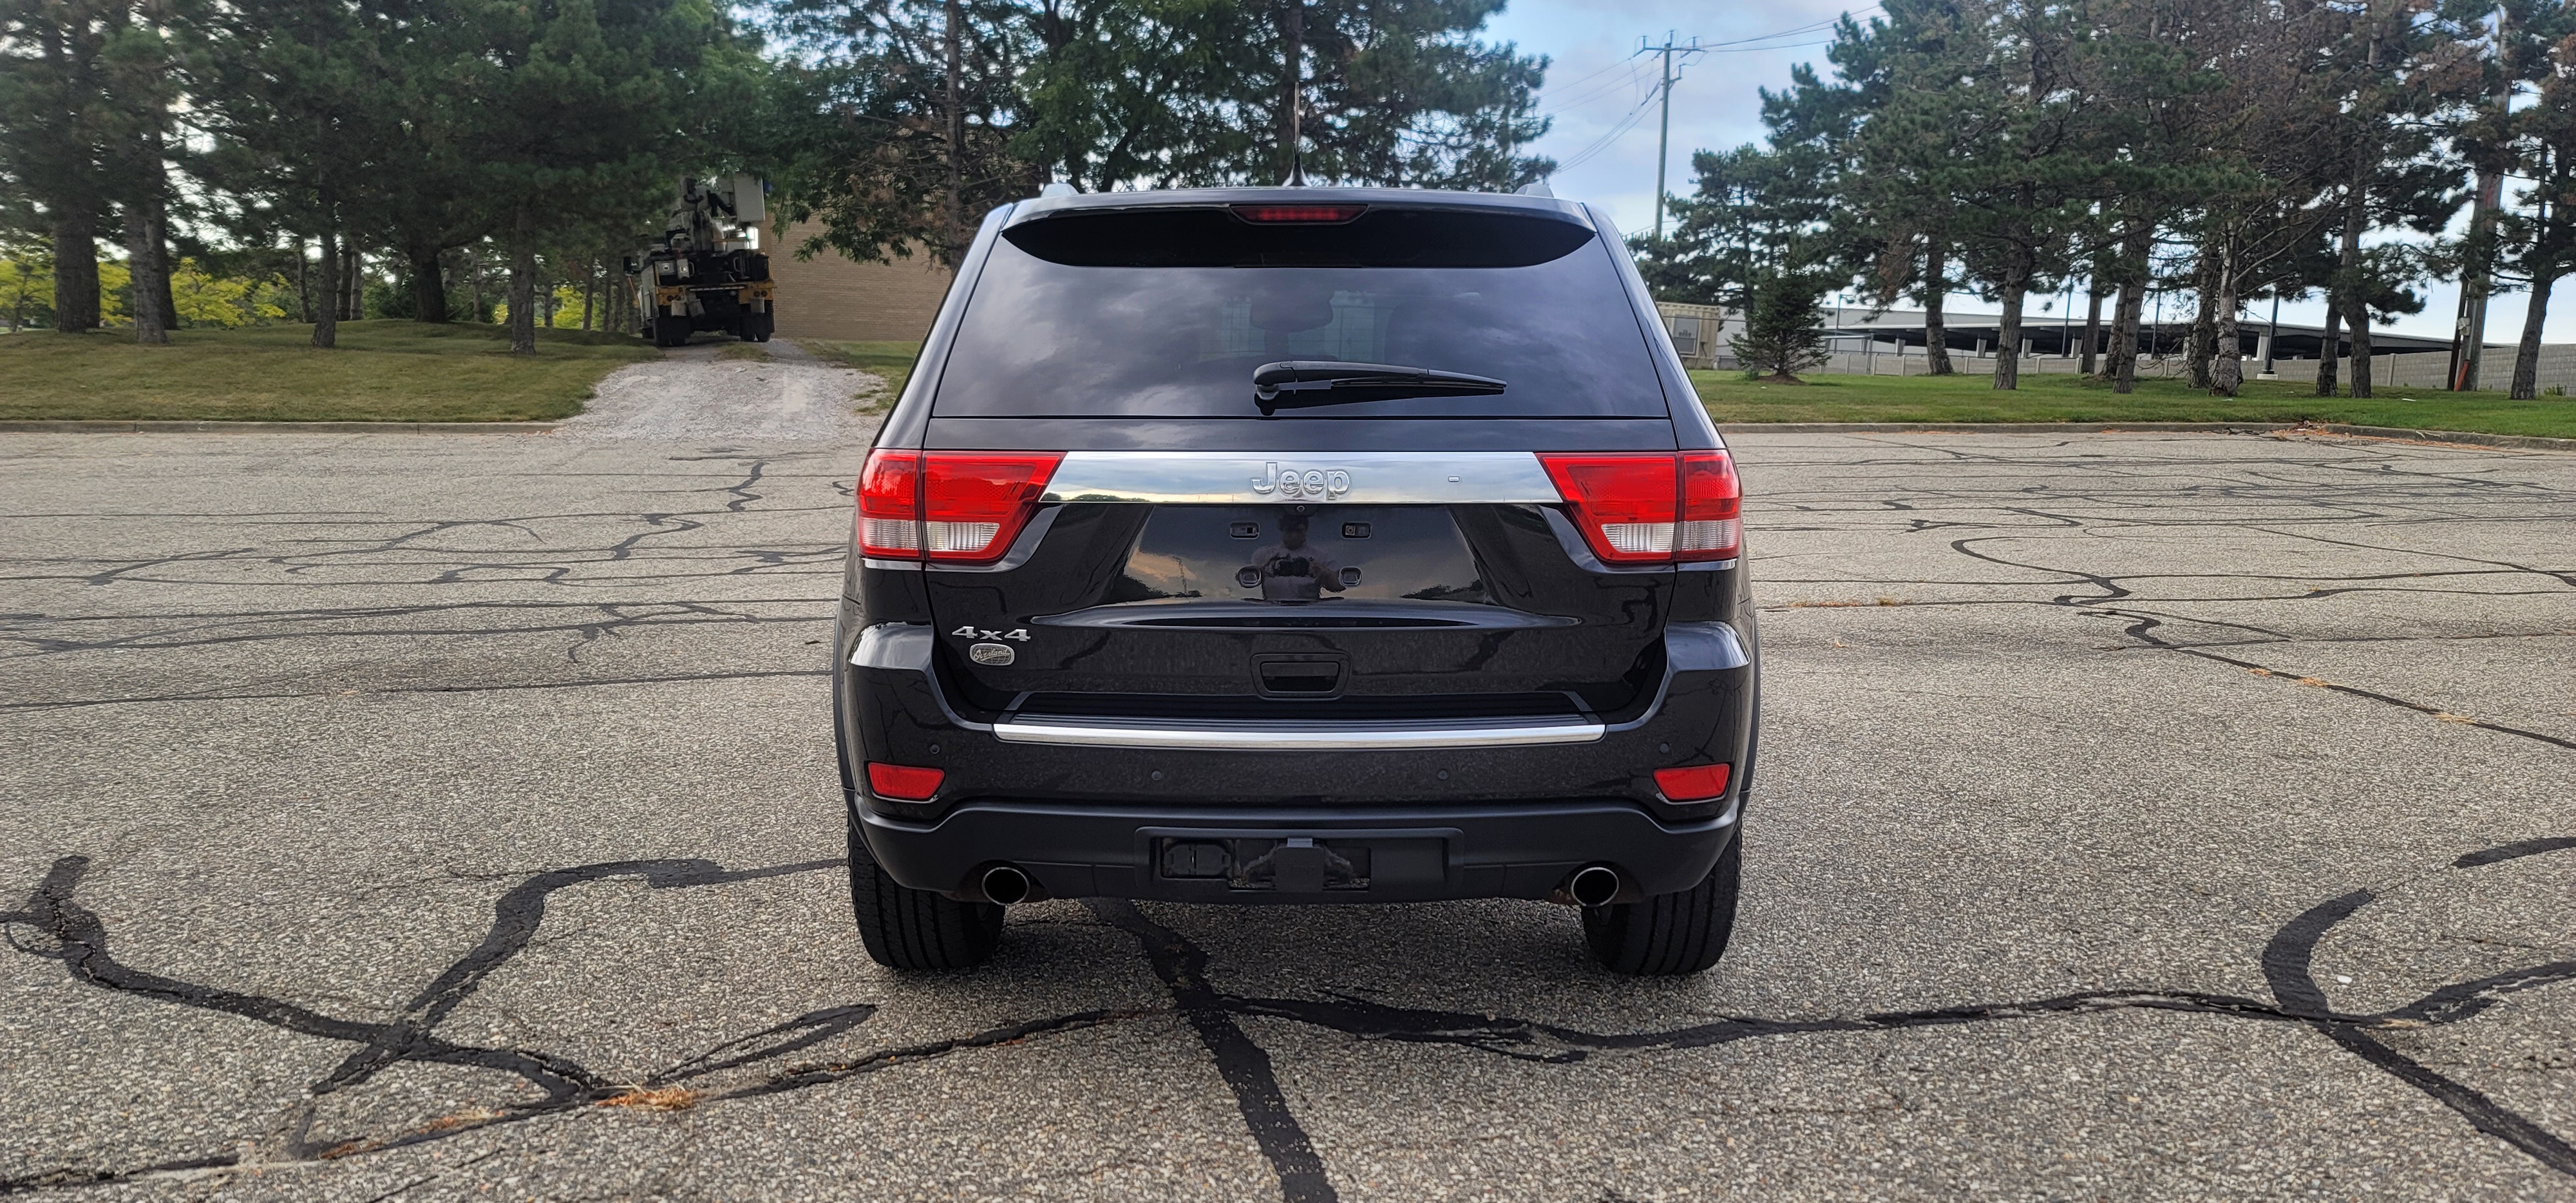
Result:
[{"x": 1292, "y": 571}]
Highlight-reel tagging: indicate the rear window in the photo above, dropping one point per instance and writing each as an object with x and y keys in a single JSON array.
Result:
[{"x": 1165, "y": 313}]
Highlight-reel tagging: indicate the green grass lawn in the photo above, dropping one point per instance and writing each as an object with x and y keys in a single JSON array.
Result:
[
  {"x": 382, "y": 371},
  {"x": 893, "y": 361},
  {"x": 2068, "y": 398}
]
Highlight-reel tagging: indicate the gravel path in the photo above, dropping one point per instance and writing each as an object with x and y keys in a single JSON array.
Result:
[{"x": 691, "y": 395}]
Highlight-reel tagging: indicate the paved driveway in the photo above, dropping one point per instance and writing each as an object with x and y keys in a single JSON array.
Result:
[{"x": 432, "y": 817}]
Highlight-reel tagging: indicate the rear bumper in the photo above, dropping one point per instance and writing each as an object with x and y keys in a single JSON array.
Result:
[
  {"x": 1522, "y": 850},
  {"x": 1446, "y": 812}
]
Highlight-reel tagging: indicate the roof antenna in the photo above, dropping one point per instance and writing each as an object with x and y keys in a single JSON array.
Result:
[{"x": 1296, "y": 170}]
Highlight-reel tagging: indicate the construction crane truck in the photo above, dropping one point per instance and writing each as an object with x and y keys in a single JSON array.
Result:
[{"x": 706, "y": 271}]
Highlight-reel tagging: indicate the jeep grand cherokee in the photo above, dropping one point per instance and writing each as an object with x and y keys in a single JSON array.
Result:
[{"x": 1297, "y": 546}]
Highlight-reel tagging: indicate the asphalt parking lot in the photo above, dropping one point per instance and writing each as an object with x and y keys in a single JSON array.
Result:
[{"x": 424, "y": 817}]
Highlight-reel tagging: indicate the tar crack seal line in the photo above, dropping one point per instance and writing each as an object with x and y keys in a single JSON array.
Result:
[{"x": 73, "y": 935}]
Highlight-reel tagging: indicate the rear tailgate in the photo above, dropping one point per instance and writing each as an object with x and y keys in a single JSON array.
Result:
[
  {"x": 1257, "y": 572},
  {"x": 1421, "y": 587}
]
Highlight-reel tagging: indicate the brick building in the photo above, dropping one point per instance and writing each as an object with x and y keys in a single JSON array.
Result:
[{"x": 830, "y": 297}]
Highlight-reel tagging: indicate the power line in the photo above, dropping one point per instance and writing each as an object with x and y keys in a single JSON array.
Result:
[
  {"x": 1604, "y": 89},
  {"x": 1626, "y": 121}
]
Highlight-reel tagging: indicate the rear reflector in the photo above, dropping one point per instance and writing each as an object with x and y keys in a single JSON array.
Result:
[
  {"x": 1309, "y": 215},
  {"x": 955, "y": 506},
  {"x": 903, "y": 783},
  {"x": 1652, "y": 508},
  {"x": 1698, "y": 783}
]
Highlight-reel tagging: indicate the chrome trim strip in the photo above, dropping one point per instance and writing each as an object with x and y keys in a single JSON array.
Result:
[
  {"x": 1347, "y": 478},
  {"x": 1212, "y": 737},
  {"x": 891, "y": 565}
]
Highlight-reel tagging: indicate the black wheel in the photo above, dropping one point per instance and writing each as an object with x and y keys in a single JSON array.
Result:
[
  {"x": 1670, "y": 934},
  {"x": 905, "y": 928},
  {"x": 671, "y": 332},
  {"x": 763, "y": 325}
]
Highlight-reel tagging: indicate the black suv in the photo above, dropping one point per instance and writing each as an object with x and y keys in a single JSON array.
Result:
[{"x": 1297, "y": 545}]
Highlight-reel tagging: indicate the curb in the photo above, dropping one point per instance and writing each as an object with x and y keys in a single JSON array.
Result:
[
  {"x": 2516, "y": 442},
  {"x": 117, "y": 426},
  {"x": 2521, "y": 442}
]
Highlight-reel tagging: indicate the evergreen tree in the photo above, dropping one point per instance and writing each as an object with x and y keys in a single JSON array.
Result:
[
  {"x": 58, "y": 127},
  {"x": 906, "y": 149},
  {"x": 1783, "y": 326}
]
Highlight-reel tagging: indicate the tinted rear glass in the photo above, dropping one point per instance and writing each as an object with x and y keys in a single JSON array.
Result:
[{"x": 1166, "y": 314}]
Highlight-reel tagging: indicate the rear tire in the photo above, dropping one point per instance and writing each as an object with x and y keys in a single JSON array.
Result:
[
  {"x": 1670, "y": 934},
  {"x": 905, "y": 928},
  {"x": 671, "y": 332}
]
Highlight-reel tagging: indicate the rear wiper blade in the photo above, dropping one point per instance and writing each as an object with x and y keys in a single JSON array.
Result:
[{"x": 1297, "y": 383}]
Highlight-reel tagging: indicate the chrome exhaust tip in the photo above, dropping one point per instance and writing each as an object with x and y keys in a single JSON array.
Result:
[
  {"x": 1594, "y": 885},
  {"x": 1005, "y": 884}
]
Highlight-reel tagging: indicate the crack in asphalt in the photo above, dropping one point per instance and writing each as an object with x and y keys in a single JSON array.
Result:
[{"x": 65, "y": 931}]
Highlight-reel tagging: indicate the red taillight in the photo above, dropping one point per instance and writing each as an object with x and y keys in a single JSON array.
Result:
[
  {"x": 1624, "y": 503},
  {"x": 973, "y": 503},
  {"x": 1300, "y": 214},
  {"x": 890, "y": 505},
  {"x": 904, "y": 783},
  {"x": 1698, "y": 783},
  {"x": 955, "y": 506},
  {"x": 1652, "y": 508},
  {"x": 1712, "y": 508}
]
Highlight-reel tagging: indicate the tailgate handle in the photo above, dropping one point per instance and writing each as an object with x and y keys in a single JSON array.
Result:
[{"x": 1310, "y": 678}]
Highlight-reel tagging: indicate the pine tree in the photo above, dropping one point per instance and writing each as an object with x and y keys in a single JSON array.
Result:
[{"x": 1783, "y": 327}]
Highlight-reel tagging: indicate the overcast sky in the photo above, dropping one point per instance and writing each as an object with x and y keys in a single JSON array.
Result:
[{"x": 1601, "y": 95}]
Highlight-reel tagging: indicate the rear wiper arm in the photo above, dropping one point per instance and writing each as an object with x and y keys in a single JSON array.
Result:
[{"x": 1297, "y": 383}]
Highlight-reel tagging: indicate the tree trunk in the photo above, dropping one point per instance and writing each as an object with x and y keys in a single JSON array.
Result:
[
  {"x": 956, "y": 138},
  {"x": 523, "y": 283},
  {"x": 2123, "y": 368},
  {"x": 353, "y": 296},
  {"x": 303, "y": 283},
  {"x": 2359, "y": 320},
  {"x": 428, "y": 285},
  {"x": 2228, "y": 373},
  {"x": 1292, "y": 64},
  {"x": 2092, "y": 325},
  {"x": 162, "y": 298},
  {"x": 326, "y": 317},
  {"x": 75, "y": 274},
  {"x": 589, "y": 291},
  {"x": 1936, "y": 285},
  {"x": 2008, "y": 337},
  {"x": 157, "y": 240},
  {"x": 2204, "y": 320},
  {"x": 2526, "y": 353},
  {"x": 2330, "y": 351},
  {"x": 474, "y": 270},
  {"x": 143, "y": 267}
]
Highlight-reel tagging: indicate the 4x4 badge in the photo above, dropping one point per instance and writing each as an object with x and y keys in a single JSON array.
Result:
[
  {"x": 975, "y": 632},
  {"x": 1324, "y": 483}
]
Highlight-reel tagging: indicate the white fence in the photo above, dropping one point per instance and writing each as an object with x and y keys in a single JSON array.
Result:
[{"x": 2415, "y": 370}]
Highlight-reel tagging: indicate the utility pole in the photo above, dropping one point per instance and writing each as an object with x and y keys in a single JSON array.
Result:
[
  {"x": 1664, "y": 138},
  {"x": 2469, "y": 335},
  {"x": 2272, "y": 337}
]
